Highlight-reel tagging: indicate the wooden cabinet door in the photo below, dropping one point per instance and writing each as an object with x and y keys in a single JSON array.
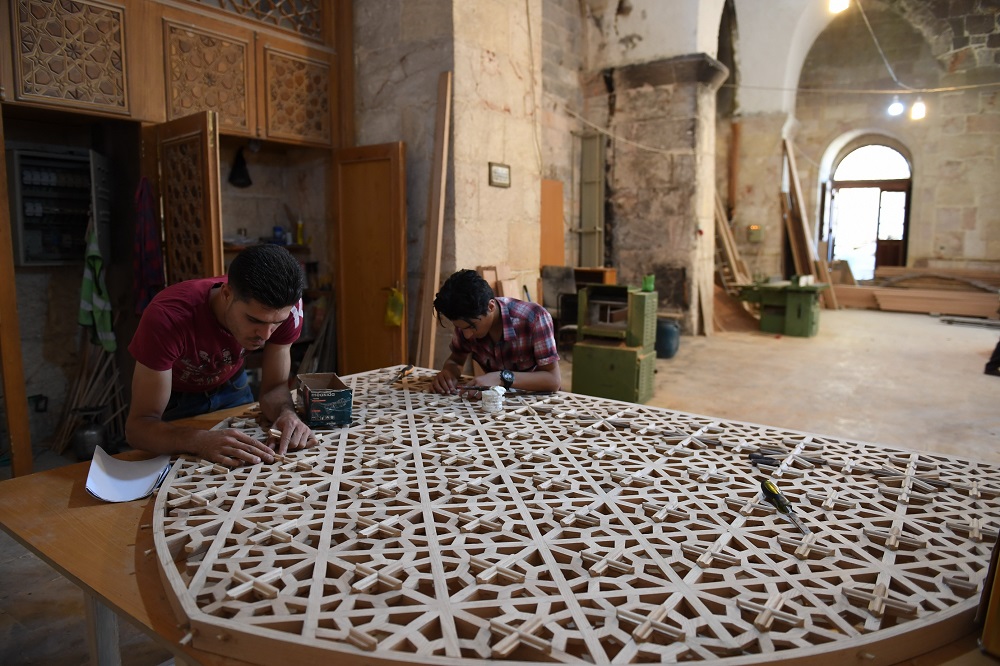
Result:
[
  {"x": 297, "y": 91},
  {"x": 70, "y": 55},
  {"x": 182, "y": 161},
  {"x": 210, "y": 67},
  {"x": 370, "y": 252},
  {"x": 11, "y": 365}
]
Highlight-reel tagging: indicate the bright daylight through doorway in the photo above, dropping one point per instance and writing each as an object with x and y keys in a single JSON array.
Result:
[{"x": 868, "y": 212}]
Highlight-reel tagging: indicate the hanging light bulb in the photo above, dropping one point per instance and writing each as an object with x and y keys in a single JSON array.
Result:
[
  {"x": 896, "y": 108},
  {"x": 918, "y": 110},
  {"x": 837, "y": 6}
]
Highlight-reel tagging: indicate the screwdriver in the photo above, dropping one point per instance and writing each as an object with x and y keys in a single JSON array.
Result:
[
  {"x": 405, "y": 372},
  {"x": 781, "y": 503}
]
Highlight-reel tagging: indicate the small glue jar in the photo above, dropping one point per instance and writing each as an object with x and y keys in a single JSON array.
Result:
[{"x": 493, "y": 398}]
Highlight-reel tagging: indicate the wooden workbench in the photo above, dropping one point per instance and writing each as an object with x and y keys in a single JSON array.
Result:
[{"x": 102, "y": 548}]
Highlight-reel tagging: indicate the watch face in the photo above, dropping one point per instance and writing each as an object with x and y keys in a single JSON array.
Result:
[{"x": 507, "y": 377}]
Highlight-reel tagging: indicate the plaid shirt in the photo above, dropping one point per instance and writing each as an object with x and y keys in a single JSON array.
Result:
[{"x": 528, "y": 339}]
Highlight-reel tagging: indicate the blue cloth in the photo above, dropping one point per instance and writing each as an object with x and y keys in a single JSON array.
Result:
[{"x": 232, "y": 393}]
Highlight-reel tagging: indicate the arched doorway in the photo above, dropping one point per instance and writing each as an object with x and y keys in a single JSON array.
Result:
[{"x": 868, "y": 207}]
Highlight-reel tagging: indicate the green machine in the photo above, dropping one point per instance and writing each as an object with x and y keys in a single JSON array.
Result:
[
  {"x": 614, "y": 356},
  {"x": 786, "y": 307},
  {"x": 610, "y": 370}
]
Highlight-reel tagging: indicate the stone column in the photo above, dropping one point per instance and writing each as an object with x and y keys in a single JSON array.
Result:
[{"x": 659, "y": 216}]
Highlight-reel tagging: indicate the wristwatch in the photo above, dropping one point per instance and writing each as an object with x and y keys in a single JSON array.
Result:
[{"x": 506, "y": 378}]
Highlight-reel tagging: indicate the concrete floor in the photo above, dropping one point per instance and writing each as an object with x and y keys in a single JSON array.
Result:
[{"x": 899, "y": 379}]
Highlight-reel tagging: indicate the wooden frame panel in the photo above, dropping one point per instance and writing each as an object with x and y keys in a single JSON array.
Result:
[{"x": 572, "y": 529}]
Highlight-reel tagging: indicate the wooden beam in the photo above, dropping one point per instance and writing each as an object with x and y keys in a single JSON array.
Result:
[
  {"x": 798, "y": 221},
  {"x": 11, "y": 365},
  {"x": 426, "y": 329}
]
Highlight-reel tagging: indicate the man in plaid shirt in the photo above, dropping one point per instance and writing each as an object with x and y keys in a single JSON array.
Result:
[{"x": 513, "y": 341}]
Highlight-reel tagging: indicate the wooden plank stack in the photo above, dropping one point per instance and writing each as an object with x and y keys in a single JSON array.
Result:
[{"x": 965, "y": 293}]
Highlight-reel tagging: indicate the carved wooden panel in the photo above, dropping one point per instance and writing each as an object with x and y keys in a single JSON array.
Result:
[
  {"x": 208, "y": 71},
  {"x": 572, "y": 529},
  {"x": 297, "y": 97},
  {"x": 304, "y": 17},
  {"x": 189, "y": 186},
  {"x": 71, "y": 54}
]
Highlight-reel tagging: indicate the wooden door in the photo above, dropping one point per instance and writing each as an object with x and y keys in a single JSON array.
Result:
[
  {"x": 370, "y": 251},
  {"x": 181, "y": 159},
  {"x": 11, "y": 365}
]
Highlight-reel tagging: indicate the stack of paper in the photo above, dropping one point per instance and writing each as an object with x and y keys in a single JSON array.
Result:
[{"x": 114, "y": 480}]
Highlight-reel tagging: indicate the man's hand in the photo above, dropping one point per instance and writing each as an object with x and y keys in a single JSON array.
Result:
[
  {"x": 295, "y": 434},
  {"x": 232, "y": 448},
  {"x": 445, "y": 382}
]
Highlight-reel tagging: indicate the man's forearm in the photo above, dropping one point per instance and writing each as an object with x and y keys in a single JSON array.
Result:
[
  {"x": 276, "y": 401},
  {"x": 161, "y": 437}
]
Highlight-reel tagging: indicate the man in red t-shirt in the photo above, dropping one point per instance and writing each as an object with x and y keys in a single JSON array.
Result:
[{"x": 189, "y": 350}]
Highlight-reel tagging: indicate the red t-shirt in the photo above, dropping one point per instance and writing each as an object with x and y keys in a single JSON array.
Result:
[{"x": 179, "y": 332}]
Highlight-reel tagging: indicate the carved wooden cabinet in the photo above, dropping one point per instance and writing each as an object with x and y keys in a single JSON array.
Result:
[
  {"x": 261, "y": 85},
  {"x": 69, "y": 55}
]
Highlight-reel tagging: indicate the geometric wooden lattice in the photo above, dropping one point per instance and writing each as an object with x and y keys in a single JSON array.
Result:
[
  {"x": 186, "y": 230},
  {"x": 304, "y": 17},
  {"x": 70, "y": 53},
  {"x": 298, "y": 96},
  {"x": 207, "y": 71},
  {"x": 571, "y": 529}
]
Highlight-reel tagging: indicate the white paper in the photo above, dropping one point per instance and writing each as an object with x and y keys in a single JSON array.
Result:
[{"x": 114, "y": 480}]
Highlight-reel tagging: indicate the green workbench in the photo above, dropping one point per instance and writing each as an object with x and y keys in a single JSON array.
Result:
[{"x": 786, "y": 307}]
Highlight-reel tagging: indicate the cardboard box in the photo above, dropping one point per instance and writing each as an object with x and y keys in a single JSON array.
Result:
[{"x": 326, "y": 400}]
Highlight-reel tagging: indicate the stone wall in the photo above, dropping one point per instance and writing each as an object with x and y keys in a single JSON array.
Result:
[
  {"x": 562, "y": 102},
  {"x": 661, "y": 173},
  {"x": 401, "y": 47},
  {"x": 758, "y": 184},
  {"x": 498, "y": 59},
  {"x": 954, "y": 200}
]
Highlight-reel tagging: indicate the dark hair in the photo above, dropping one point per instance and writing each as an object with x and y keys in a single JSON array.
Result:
[
  {"x": 268, "y": 274},
  {"x": 464, "y": 296}
]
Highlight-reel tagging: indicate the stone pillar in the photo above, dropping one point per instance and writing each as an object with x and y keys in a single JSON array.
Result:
[
  {"x": 659, "y": 216},
  {"x": 758, "y": 183}
]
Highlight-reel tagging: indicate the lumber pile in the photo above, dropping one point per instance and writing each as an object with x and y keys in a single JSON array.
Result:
[
  {"x": 807, "y": 261},
  {"x": 931, "y": 278},
  {"x": 928, "y": 301},
  {"x": 928, "y": 291},
  {"x": 730, "y": 268}
]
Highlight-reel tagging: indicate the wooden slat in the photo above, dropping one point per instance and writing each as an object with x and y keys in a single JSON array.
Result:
[
  {"x": 807, "y": 260},
  {"x": 426, "y": 328},
  {"x": 552, "y": 237}
]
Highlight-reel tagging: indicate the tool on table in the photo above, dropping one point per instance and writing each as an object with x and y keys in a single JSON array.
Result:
[
  {"x": 404, "y": 372},
  {"x": 757, "y": 458},
  {"x": 781, "y": 503}
]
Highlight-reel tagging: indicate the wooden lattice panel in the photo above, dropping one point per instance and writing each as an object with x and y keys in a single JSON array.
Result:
[
  {"x": 207, "y": 71},
  {"x": 572, "y": 529},
  {"x": 187, "y": 238},
  {"x": 71, "y": 54},
  {"x": 298, "y": 97},
  {"x": 304, "y": 17}
]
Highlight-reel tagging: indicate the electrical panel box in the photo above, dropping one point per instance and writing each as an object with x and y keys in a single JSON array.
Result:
[
  {"x": 618, "y": 313},
  {"x": 614, "y": 371},
  {"x": 52, "y": 193}
]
